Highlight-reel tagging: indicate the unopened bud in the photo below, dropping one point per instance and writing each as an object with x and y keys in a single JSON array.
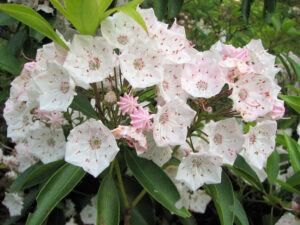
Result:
[{"x": 110, "y": 97}]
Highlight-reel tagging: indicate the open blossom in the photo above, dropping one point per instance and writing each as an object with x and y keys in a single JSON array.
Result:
[
  {"x": 259, "y": 143},
  {"x": 225, "y": 139},
  {"x": 171, "y": 122},
  {"x": 14, "y": 203},
  {"x": 253, "y": 95},
  {"x": 128, "y": 104},
  {"x": 159, "y": 155},
  {"x": 141, "y": 119},
  {"x": 288, "y": 219},
  {"x": 135, "y": 137},
  {"x": 203, "y": 78},
  {"x": 91, "y": 146},
  {"x": 57, "y": 88},
  {"x": 200, "y": 168},
  {"x": 46, "y": 144},
  {"x": 90, "y": 59}
]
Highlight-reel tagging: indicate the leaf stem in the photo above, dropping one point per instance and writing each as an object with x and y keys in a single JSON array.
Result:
[
  {"x": 123, "y": 193},
  {"x": 98, "y": 102},
  {"x": 138, "y": 198}
]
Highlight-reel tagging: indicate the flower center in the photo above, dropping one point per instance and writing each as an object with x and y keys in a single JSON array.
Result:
[
  {"x": 51, "y": 142},
  {"x": 64, "y": 87},
  {"x": 202, "y": 85},
  {"x": 95, "y": 143},
  {"x": 138, "y": 64},
  {"x": 123, "y": 40},
  {"x": 94, "y": 64},
  {"x": 243, "y": 94},
  {"x": 252, "y": 139},
  {"x": 218, "y": 139},
  {"x": 164, "y": 118}
]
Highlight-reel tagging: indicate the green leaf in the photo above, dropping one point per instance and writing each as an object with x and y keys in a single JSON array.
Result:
[
  {"x": 57, "y": 187},
  {"x": 15, "y": 44},
  {"x": 36, "y": 174},
  {"x": 294, "y": 180},
  {"x": 293, "y": 101},
  {"x": 242, "y": 169},
  {"x": 273, "y": 166},
  {"x": 239, "y": 212},
  {"x": 108, "y": 204},
  {"x": 287, "y": 24},
  {"x": 6, "y": 19},
  {"x": 31, "y": 18},
  {"x": 104, "y": 4},
  {"x": 246, "y": 6},
  {"x": 287, "y": 187},
  {"x": 84, "y": 15},
  {"x": 188, "y": 221},
  {"x": 174, "y": 7},
  {"x": 223, "y": 197},
  {"x": 160, "y": 7},
  {"x": 295, "y": 66},
  {"x": 293, "y": 88},
  {"x": 280, "y": 140},
  {"x": 276, "y": 22},
  {"x": 155, "y": 182},
  {"x": 82, "y": 104},
  {"x": 294, "y": 152},
  {"x": 9, "y": 62}
]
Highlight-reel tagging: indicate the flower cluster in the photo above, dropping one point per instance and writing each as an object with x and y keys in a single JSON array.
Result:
[{"x": 127, "y": 64}]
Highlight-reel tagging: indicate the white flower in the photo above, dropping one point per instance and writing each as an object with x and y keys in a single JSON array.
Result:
[
  {"x": 259, "y": 143},
  {"x": 252, "y": 96},
  {"x": 89, "y": 60},
  {"x": 171, "y": 85},
  {"x": 23, "y": 157},
  {"x": 57, "y": 88},
  {"x": 91, "y": 146},
  {"x": 171, "y": 122},
  {"x": 18, "y": 118},
  {"x": 121, "y": 31},
  {"x": 69, "y": 209},
  {"x": 141, "y": 66},
  {"x": 159, "y": 155},
  {"x": 225, "y": 138},
  {"x": 200, "y": 168},
  {"x": 195, "y": 201},
  {"x": 45, "y": 143},
  {"x": 89, "y": 214},
  {"x": 203, "y": 78},
  {"x": 288, "y": 219},
  {"x": 14, "y": 203}
]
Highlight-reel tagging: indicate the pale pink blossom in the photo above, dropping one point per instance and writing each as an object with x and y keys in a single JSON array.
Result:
[
  {"x": 288, "y": 219},
  {"x": 135, "y": 137}
]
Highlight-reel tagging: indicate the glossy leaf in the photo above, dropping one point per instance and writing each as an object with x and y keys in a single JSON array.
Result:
[
  {"x": 155, "y": 182},
  {"x": 108, "y": 204},
  {"x": 84, "y": 15},
  {"x": 160, "y": 7},
  {"x": 223, "y": 197},
  {"x": 57, "y": 187},
  {"x": 6, "y": 19},
  {"x": 294, "y": 180},
  {"x": 174, "y": 7},
  {"x": 239, "y": 212},
  {"x": 287, "y": 187},
  {"x": 37, "y": 175},
  {"x": 294, "y": 152},
  {"x": 9, "y": 62},
  {"x": 32, "y": 19},
  {"x": 273, "y": 166},
  {"x": 82, "y": 104},
  {"x": 293, "y": 101}
]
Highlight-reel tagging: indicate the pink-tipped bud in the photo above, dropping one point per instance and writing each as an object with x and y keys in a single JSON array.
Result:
[
  {"x": 128, "y": 104},
  {"x": 141, "y": 119}
]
